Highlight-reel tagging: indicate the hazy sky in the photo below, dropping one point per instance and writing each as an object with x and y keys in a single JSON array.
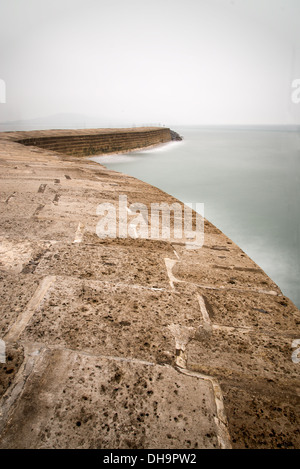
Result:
[{"x": 151, "y": 61}]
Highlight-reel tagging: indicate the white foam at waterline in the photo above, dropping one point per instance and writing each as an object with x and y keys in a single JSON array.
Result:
[
  {"x": 130, "y": 156},
  {"x": 168, "y": 146},
  {"x": 113, "y": 158}
]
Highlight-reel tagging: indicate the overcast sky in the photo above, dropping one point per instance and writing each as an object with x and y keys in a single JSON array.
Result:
[{"x": 151, "y": 61}]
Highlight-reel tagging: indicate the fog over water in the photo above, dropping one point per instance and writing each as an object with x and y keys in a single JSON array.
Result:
[
  {"x": 121, "y": 62},
  {"x": 177, "y": 63},
  {"x": 248, "y": 181}
]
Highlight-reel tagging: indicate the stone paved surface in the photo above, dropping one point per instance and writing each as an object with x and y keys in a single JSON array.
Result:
[{"x": 131, "y": 343}]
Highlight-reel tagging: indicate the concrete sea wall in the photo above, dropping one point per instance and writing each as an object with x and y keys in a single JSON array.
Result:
[
  {"x": 130, "y": 343},
  {"x": 98, "y": 141}
]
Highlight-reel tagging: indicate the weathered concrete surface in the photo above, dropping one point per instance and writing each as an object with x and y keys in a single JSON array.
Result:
[{"x": 131, "y": 343}]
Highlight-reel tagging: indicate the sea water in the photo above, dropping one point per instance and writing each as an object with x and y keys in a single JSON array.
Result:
[{"x": 248, "y": 180}]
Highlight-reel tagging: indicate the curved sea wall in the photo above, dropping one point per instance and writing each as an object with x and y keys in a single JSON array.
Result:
[
  {"x": 126, "y": 342},
  {"x": 96, "y": 141}
]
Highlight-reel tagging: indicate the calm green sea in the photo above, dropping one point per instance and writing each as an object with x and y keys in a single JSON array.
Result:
[{"x": 248, "y": 181}]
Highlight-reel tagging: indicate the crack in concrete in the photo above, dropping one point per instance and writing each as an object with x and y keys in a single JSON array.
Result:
[
  {"x": 183, "y": 336},
  {"x": 221, "y": 419},
  {"x": 10, "y": 197},
  {"x": 38, "y": 210}
]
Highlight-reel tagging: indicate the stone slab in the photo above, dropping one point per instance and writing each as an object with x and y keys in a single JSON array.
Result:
[
  {"x": 115, "y": 320},
  {"x": 113, "y": 263},
  {"x": 265, "y": 313},
  {"x": 225, "y": 351},
  {"x": 261, "y": 415},
  {"x": 220, "y": 276},
  {"x": 16, "y": 292},
  {"x": 74, "y": 400}
]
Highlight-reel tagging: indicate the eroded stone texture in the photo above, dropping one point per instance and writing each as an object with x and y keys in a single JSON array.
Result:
[
  {"x": 260, "y": 312},
  {"x": 16, "y": 292},
  {"x": 116, "y": 264},
  {"x": 73, "y": 400},
  {"x": 115, "y": 320},
  {"x": 235, "y": 351},
  {"x": 130, "y": 343},
  {"x": 14, "y": 356},
  {"x": 261, "y": 414},
  {"x": 222, "y": 276}
]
